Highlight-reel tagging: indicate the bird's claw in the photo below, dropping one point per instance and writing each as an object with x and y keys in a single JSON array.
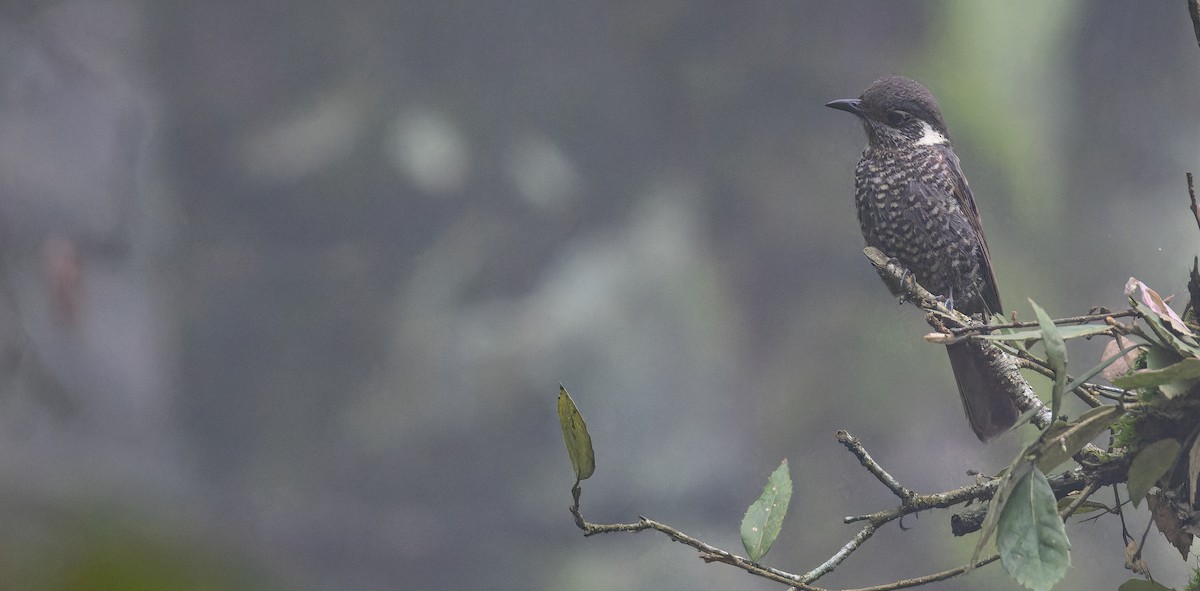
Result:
[
  {"x": 947, "y": 300},
  {"x": 905, "y": 275}
]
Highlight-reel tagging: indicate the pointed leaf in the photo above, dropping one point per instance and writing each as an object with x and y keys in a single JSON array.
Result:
[
  {"x": 1060, "y": 444},
  {"x": 1088, "y": 506},
  {"x": 1142, "y": 585},
  {"x": 1149, "y": 465},
  {"x": 1056, "y": 355},
  {"x": 575, "y": 435},
  {"x": 1111, "y": 359},
  {"x": 764, "y": 519},
  {"x": 1185, "y": 370},
  {"x": 1033, "y": 335},
  {"x": 1012, "y": 474},
  {"x": 1032, "y": 541}
]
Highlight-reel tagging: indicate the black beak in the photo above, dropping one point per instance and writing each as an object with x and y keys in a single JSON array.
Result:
[{"x": 852, "y": 106}]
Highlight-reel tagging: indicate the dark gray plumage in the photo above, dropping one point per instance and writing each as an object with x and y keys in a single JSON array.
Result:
[{"x": 914, "y": 204}]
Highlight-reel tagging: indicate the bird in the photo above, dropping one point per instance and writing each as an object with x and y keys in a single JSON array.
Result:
[{"x": 914, "y": 204}]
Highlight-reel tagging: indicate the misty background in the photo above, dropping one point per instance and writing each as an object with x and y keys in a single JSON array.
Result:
[{"x": 289, "y": 287}]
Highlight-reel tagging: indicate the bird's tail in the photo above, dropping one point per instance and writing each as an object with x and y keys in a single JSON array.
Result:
[{"x": 990, "y": 410}]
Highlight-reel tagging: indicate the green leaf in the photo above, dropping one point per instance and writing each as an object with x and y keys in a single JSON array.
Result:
[
  {"x": 1088, "y": 506},
  {"x": 764, "y": 518},
  {"x": 1012, "y": 474},
  {"x": 1142, "y": 585},
  {"x": 1091, "y": 373},
  {"x": 575, "y": 435},
  {"x": 1066, "y": 332},
  {"x": 1149, "y": 465},
  {"x": 1032, "y": 541},
  {"x": 1059, "y": 443},
  {"x": 1184, "y": 346},
  {"x": 1056, "y": 354},
  {"x": 1185, "y": 370}
]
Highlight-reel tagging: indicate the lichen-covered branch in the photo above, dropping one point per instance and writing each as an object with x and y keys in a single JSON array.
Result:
[
  {"x": 901, "y": 282},
  {"x": 1087, "y": 478}
]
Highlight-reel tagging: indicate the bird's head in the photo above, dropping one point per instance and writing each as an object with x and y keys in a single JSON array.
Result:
[{"x": 897, "y": 113}]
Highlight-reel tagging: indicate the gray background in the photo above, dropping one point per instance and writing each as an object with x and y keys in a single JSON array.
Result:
[{"x": 290, "y": 286}]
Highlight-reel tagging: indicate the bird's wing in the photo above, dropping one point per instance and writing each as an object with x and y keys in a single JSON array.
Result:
[{"x": 966, "y": 201}]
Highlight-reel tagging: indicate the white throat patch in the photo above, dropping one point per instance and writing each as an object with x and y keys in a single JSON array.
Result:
[{"x": 931, "y": 136}]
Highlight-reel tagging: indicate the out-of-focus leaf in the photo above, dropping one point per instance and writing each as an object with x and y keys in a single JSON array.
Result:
[
  {"x": 1012, "y": 474},
  {"x": 1184, "y": 371},
  {"x": 1088, "y": 506},
  {"x": 1032, "y": 541},
  {"x": 1034, "y": 335},
  {"x": 1056, "y": 355},
  {"x": 1193, "y": 470},
  {"x": 764, "y": 518},
  {"x": 575, "y": 435},
  {"x": 1166, "y": 519},
  {"x": 1149, "y": 465},
  {"x": 1062, "y": 442},
  {"x": 1142, "y": 585},
  {"x": 1121, "y": 364},
  {"x": 1091, "y": 373}
]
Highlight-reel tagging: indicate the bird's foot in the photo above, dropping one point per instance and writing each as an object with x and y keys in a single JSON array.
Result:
[
  {"x": 947, "y": 300},
  {"x": 905, "y": 276}
]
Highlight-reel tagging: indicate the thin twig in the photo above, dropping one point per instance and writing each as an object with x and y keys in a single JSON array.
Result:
[
  {"x": 855, "y": 446},
  {"x": 845, "y": 551},
  {"x": 1080, "y": 500},
  {"x": 1086, "y": 478},
  {"x": 708, "y": 552},
  {"x": 1083, "y": 319},
  {"x": 932, "y": 578}
]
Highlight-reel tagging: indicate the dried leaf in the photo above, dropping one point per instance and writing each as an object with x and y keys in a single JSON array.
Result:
[
  {"x": 1139, "y": 291},
  {"x": 1134, "y": 560},
  {"x": 1166, "y": 518},
  {"x": 1122, "y": 365}
]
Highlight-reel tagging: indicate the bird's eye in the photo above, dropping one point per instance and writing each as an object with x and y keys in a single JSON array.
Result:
[{"x": 896, "y": 118}]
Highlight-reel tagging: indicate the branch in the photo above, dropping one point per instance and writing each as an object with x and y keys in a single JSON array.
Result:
[
  {"x": 1113, "y": 470},
  {"x": 910, "y": 503},
  {"x": 1082, "y": 319},
  {"x": 1085, "y": 477},
  {"x": 852, "y": 443},
  {"x": 944, "y": 319}
]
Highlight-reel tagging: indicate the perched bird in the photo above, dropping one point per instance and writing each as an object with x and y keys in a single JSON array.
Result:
[{"x": 914, "y": 204}]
